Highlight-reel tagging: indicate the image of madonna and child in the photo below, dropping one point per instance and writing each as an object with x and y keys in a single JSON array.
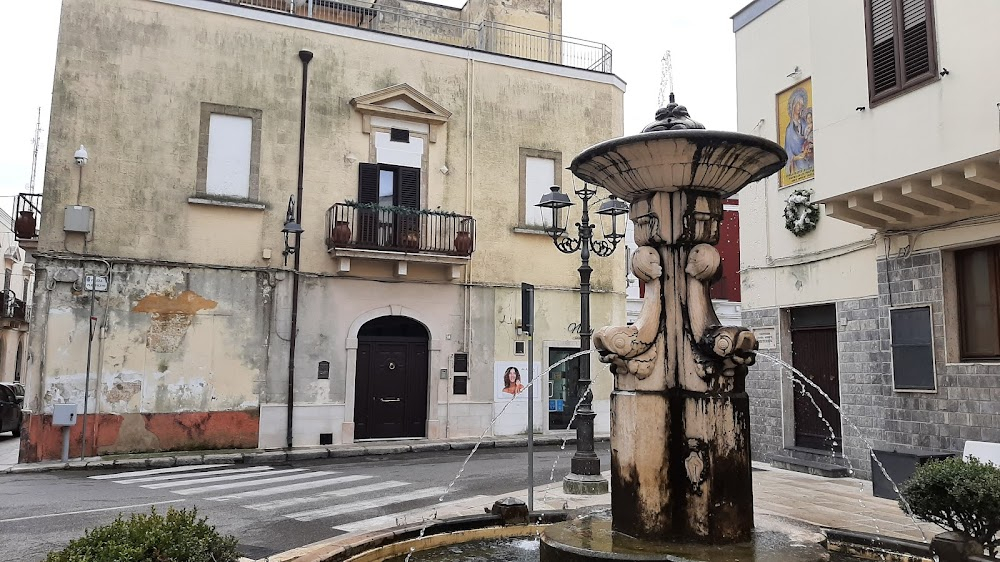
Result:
[{"x": 799, "y": 133}]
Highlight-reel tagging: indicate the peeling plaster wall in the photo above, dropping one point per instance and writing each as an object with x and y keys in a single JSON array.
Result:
[{"x": 167, "y": 340}]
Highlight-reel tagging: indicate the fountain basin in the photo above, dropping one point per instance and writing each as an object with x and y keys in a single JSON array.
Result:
[
  {"x": 588, "y": 537},
  {"x": 666, "y": 161}
]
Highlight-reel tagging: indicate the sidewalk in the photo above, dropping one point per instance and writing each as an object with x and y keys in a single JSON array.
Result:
[{"x": 8, "y": 461}]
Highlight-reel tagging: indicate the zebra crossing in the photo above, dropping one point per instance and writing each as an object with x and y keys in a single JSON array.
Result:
[{"x": 310, "y": 495}]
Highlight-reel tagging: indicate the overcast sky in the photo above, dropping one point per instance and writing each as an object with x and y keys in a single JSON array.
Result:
[{"x": 698, "y": 34}]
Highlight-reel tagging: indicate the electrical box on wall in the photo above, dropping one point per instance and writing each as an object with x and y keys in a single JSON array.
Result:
[
  {"x": 78, "y": 218},
  {"x": 64, "y": 414},
  {"x": 461, "y": 363}
]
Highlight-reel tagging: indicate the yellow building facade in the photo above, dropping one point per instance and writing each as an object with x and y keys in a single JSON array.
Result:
[{"x": 429, "y": 134}]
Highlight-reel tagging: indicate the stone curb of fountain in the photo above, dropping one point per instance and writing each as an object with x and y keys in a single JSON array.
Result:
[{"x": 260, "y": 456}]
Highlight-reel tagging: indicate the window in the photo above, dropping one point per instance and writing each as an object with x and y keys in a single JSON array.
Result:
[
  {"x": 229, "y": 152},
  {"x": 912, "y": 348},
  {"x": 539, "y": 172},
  {"x": 388, "y": 185},
  {"x": 979, "y": 314},
  {"x": 901, "y": 47}
]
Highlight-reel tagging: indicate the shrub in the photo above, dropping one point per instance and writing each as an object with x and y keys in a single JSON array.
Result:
[
  {"x": 178, "y": 536},
  {"x": 959, "y": 496}
]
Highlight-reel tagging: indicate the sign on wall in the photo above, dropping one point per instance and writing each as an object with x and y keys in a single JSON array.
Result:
[
  {"x": 510, "y": 379},
  {"x": 766, "y": 337},
  {"x": 795, "y": 132}
]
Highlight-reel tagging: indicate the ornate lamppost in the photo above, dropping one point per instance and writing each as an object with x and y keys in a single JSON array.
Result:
[{"x": 585, "y": 467}]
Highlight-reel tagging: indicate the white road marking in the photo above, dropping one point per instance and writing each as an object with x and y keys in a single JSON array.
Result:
[
  {"x": 293, "y": 487},
  {"x": 159, "y": 485},
  {"x": 121, "y": 507},
  {"x": 344, "y": 492},
  {"x": 217, "y": 487},
  {"x": 187, "y": 468},
  {"x": 191, "y": 475},
  {"x": 417, "y": 515},
  {"x": 363, "y": 505}
]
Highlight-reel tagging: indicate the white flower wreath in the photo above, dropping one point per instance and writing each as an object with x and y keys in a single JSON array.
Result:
[{"x": 801, "y": 214}]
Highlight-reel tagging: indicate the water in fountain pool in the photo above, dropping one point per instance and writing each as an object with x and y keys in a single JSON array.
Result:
[{"x": 497, "y": 550}]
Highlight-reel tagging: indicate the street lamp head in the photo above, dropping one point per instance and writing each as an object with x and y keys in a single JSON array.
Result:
[
  {"x": 556, "y": 202},
  {"x": 614, "y": 207},
  {"x": 292, "y": 227}
]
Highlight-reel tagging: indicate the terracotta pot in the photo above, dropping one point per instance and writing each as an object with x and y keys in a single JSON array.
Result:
[
  {"x": 24, "y": 225},
  {"x": 341, "y": 233},
  {"x": 411, "y": 240},
  {"x": 463, "y": 243}
]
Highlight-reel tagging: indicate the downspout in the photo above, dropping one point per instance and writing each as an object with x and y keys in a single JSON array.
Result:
[{"x": 305, "y": 57}]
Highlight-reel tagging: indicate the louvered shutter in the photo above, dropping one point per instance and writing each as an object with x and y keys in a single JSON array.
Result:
[
  {"x": 916, "y": 44},
  {"x": 367, "y": 225},
  {"x": 408, "y": 196},
  {"x": 883, "y": 66}
]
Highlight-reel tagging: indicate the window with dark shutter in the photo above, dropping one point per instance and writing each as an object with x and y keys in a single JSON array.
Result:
[
  {"x": 408, "y": 196},
  {"x": 912, "y": 348},
  {"x": 901, "y": 48},
  {"x": 368, "y": 221},
  {"x": 388, "y": 187}
]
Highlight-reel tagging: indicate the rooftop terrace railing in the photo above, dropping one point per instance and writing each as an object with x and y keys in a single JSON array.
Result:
[{"x": 488, "y": 36}]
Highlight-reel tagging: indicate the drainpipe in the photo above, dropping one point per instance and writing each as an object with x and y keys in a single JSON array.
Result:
[{"x": 305, "y": 57}]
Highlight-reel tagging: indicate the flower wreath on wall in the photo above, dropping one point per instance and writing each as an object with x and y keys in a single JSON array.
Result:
[{"x": 801, "y": 214}]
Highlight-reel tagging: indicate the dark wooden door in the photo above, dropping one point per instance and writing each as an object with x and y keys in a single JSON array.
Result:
[
  {"x": 391, "y": 388},
  {"x": 814, "y": 352}
]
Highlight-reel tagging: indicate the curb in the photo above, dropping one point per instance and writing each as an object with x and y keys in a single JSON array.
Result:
[{"x": 280, "y": 456}]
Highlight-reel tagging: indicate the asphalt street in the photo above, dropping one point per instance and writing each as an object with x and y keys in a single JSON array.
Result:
[{"x": 270, "y": 508}]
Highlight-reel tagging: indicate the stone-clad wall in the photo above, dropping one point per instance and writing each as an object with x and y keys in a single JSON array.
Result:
[
  {"x": 764, "y": 389},
  {"x": 864, "y": 379}
]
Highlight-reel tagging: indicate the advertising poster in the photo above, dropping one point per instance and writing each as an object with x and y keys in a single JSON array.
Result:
[
  {"x": 511, "y": 377},
  {"x": 795, "y": 132}
]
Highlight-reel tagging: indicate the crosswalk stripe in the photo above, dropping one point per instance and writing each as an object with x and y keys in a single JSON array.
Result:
[
  {"x": 165, "y": 477},
  {"x": 231, "y": 485},
  {"x": 293, "y": 487},
  {"x": 157, "y": 471},
  {"x": 314, "y": 514},
  {"x": 419, "y": 514},
  {"x": 341, "y": 493},
  {"x": 222, "y": 478}
]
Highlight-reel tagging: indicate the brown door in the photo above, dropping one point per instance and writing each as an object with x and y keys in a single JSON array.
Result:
[
  {"x": 391, "y": 382},
  {"x": 814, "y": 352}
]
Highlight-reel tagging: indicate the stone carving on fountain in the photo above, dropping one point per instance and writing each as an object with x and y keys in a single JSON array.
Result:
[{"x": 680, "y": 413}]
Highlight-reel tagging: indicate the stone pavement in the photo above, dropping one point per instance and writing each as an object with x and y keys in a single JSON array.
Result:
[{"x": 9, "y": 446}]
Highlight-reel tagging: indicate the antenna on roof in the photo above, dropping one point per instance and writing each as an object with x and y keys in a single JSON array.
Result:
[{"x": 34, "y": 155}]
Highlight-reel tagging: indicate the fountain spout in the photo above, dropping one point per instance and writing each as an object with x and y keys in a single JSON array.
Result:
[{"x": 680, "y": 434}]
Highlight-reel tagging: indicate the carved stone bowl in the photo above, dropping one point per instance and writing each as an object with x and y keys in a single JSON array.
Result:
[{"x": 637, "y": 165}]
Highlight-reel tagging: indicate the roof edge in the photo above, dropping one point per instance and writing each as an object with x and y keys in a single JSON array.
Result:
[{"x": 750, "y": 12}]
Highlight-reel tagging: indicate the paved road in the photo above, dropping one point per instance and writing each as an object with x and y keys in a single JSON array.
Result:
[{"x": 270, "y": 508}]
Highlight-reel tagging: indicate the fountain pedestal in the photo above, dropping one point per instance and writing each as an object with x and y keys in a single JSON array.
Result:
[{"x": 680, "y": 420}]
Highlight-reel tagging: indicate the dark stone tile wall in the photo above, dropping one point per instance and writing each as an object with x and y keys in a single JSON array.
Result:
[
  {"x": 764, "y": 389},
  {"x": 863, "y": 379}
]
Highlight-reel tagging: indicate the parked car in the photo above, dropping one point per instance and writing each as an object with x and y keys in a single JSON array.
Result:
[{"x": 11, "y": 400}]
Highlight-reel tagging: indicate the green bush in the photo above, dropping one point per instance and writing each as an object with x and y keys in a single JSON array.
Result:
[
  {"x": 178, "y": 536},
  {"x": 959, "y": 496}
]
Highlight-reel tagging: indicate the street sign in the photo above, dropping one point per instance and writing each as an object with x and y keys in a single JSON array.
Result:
[{"x": 97, "y": 283}]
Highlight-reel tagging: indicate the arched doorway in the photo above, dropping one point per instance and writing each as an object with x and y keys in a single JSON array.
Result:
[{"x": 390, "y": 389}]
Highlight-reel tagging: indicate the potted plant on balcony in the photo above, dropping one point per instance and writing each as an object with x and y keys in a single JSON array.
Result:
[
  {"x": 24, "y": 225},
  {"x": 463, "y": 239},
  {"x": 341, "y": 232}
]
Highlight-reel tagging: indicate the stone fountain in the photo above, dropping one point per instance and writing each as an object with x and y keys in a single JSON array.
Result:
[{"x": 680, "y": 415}]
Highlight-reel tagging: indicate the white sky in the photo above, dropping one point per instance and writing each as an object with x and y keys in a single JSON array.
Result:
[{"x": 698, "y": 34}]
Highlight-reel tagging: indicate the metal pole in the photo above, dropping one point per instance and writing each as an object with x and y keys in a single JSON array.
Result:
[
  {"x": 86, "y": 380},
  {"x": 585, "y": 461},
  {"x": 65, "y": 449},
  {"x": 305, "y": 57},
  {"x": 528, "y": 322}
]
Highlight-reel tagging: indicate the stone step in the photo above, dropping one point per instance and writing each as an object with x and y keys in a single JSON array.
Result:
[{"x": 816, "y": 468}]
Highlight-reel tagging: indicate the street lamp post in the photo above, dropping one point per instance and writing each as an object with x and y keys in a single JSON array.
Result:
[{"x": 585, "y": 467}]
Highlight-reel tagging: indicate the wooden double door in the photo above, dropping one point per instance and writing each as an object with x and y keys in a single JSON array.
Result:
[
  {"x": 390, "y": 398},
  {"x": 814, "y": 353}
]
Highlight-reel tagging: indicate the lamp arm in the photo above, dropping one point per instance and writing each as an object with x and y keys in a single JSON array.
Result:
[
  {"x": 566, "y": 244},
  {"x": 604, "y": 248}
]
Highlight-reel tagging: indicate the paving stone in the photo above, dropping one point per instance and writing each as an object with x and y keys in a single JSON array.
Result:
[
  {"x": 30, "y": 468},
  {"x": 99, "y": 464},
  {"x": 266, "y": 457},
  {"x": 518, "y": 442},
  {"x": 343, "y": 451},
  {"x": 131, "y": 463},
  {"x": 188, "y": 460},
  {"x": 76, "y": 465},
  {"x": 161, "y": 462},
  {"x": 222, "y": 458},
  {"x": 307, "y": 454},
  {"x": 469, "y": 445},
  {"x": 423, "y": 447},
  {"x": 386, "y": 449}
]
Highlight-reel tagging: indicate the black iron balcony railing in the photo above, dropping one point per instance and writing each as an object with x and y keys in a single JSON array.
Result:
[
  {"x": 398, "y": 229},
  {"x": 11, "y": 307},
  {"x": 27, "y": 212}
]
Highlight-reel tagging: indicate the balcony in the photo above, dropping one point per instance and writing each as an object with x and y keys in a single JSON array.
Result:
[
  {"x": 398, "y": 234},
  {"x": 13, "y": 311},
  {"x": 488, "y": 36},
  {"x": 27, "y": 215}
]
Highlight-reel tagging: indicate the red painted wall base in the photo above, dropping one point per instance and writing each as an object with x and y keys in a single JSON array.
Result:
[{"x": 135, "y": 433}]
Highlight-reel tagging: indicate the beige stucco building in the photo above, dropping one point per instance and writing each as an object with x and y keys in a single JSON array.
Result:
[
  {"x": 891, "y": 303},
  {"x": 429, "y": 134}
]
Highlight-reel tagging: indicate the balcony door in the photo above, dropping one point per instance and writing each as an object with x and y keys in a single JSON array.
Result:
[{"x": 387, "y": 193}]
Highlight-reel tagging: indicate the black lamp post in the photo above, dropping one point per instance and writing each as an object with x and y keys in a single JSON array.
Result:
[{"x": 585, "y": 467}]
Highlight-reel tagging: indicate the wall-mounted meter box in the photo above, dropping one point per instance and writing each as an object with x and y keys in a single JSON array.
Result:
[
  {"x": 78, "y": 218},
  {"x": 64, "y": 414}
]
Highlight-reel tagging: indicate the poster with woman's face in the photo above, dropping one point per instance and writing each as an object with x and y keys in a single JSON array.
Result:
[
  {"x": 795, "y": 132},
  {"x": 511, "y": 378}
]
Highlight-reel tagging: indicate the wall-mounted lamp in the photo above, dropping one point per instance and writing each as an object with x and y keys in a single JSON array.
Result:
[{"x": 291, "y": 227}]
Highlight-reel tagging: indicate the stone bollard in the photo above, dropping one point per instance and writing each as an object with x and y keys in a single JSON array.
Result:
[
  {"x": 511, "y": 510},
  {"x": 954, "y": 546}
]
